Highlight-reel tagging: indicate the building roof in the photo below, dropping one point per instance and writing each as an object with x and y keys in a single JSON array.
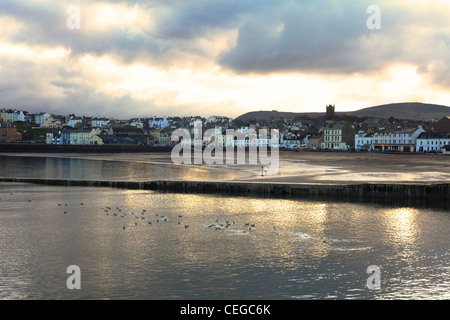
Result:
[
  {"x": 406, "y": 130},
  {"x": 434, "y": 135},
  {"x": 443, "y": 125}
]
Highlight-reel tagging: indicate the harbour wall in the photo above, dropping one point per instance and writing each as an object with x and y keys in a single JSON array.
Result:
[{"x": 358, "y": 192}]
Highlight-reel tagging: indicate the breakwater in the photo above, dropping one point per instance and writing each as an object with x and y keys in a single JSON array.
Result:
[{"x": 359, "y": 192}]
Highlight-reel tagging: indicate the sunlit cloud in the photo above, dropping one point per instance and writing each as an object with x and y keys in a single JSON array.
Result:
[{"x": 213, "y": 57}]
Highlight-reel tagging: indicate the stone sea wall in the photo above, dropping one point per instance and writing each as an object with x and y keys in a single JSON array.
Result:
[{"x": 361, "y": 192}]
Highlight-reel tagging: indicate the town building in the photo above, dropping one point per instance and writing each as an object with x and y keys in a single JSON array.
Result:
[
  {"x": 218, "y": 119},
  {"x": 315, "y": 141},
  {"x": 382, "y": 141},
  {"x": 8, "y": 132},
  {"x": 39, "y": 118},
  {"x": 97, "y": 122},
  {"x": 363, "y": 141},
  {"x": 404, "y": 139},
  {"x": 50, "y": 122},
  {"x": 432, "y": 141},
  {"x": 75, "y": 122},
  {"x": 333, "y": 138},
  {"x": 158, "y": 122}
]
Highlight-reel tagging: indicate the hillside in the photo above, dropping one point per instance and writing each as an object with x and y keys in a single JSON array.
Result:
[{"x": 407, "y": 111}]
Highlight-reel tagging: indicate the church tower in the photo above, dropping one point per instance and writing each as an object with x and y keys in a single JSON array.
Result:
[{"x": 330, "y": 112}]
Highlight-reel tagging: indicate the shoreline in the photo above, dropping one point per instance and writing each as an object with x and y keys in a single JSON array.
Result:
[{"x": 308, "y": 167}]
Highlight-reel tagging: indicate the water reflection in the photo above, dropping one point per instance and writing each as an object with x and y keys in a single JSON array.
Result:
[
  {"x": 401, "y": 225},
  {"x": 295, "y": 249},
  {"x": 73, "y": 168}
]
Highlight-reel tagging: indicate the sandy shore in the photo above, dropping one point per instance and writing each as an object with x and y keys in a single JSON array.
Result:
[{"x": 318, "y": 167}]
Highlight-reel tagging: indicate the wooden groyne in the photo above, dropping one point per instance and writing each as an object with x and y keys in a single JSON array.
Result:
[{"x": 359, "y": 192}]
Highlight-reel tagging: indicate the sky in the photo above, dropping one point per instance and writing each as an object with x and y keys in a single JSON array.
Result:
[{"x": 129, "y": 58}]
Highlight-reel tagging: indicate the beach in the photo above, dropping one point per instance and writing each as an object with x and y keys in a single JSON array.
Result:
[{"x": 312, "y": 167}]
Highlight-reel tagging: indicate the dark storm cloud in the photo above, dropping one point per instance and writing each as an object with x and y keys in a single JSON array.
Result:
[
  {"x": 328, "y": 36},
  {"x": 310, "y": 36}
]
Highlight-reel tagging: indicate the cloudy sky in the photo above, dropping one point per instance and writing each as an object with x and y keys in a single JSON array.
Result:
[{"x": 221, "y": 57}]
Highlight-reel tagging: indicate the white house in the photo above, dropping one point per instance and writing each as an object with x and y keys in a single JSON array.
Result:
[
  {"x": 158, "y": 122},
  {"x": 18, "y": 116},
  {"x": 363, "y": 141},
  {"x": 432, "y": 141},
  {"x": 99, "y": 122},
  {"x": 39, "y": 118},
  {"x": 401, "y": 139},
  {"x": 381, "y": 141},
  {"x": 74, "y": 121},
  {"x": 404, "y": 139},
  {"x": 215, "y": 119}
]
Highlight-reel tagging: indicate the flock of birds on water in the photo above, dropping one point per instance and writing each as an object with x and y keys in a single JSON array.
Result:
[
  {"x": 161, "y": 218},
  {"x": 217, "y": 225},
  {"x": 144, "y": 217}
]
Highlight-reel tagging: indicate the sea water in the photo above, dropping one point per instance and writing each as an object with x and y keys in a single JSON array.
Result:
[{"x": 133, "y": 244}]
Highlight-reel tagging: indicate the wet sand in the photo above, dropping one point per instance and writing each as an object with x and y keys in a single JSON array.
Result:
[{"x": 317, "y": 167}]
